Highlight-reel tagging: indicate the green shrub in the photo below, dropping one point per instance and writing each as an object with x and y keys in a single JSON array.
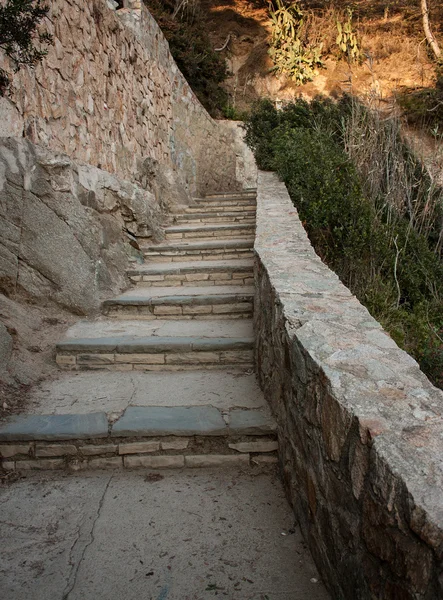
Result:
[{"x": 387, "y": 264}]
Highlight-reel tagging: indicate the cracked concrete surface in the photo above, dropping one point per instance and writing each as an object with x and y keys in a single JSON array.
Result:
[
  {"x": 178, "y": 535},
  {"x": 87, "y": 392}
]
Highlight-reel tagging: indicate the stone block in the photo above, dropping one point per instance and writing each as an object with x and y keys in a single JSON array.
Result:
[
  {"x": 97, "y": 359},
  {"x": 217, "y": 460},
  {"x": 150, "y": 359},
  {"x": 167, "y": 310},
  {"x": 177, "y": 444},
  {"x": 55, "y": 450},
  {"x": 9, "y": 450},
  {"x": 155, "y": 462},
  {"x": 138, "y": 447},
  {"x": 8, "y": 465},
  {"x": 65, "y": 360},
  {"x": 110, "y": 462},
  {"x": 194, "y": 358},
  {"x": 197, "y": 310},
  {"x": 91, "y": 450},
  {"x": 42, "y": 464},
  {"x": 255, "y": 446}
]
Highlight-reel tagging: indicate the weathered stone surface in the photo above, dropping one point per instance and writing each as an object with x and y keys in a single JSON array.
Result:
[
  {"x": 62, "y": 236},
  {"x": 175, "y": 420},
  {"x": 154, "y": 462},
  {"x": 47, "y": 450},
  {"x": 138, "y": 447},
  {"x": 8, "y": 450},
  {"x": 360, "y": 427},
  {"x": 250, "y": 422},
  {"x": 113, "y": 112},
  {"x": 55, "y": 427},
  {"x": 258, "y": 446},
  {"x": 6, "y": 345},
  {"x": 217, "y": 460}
]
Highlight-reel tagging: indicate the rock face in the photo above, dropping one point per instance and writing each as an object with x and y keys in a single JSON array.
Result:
[
  {"x": 360, "y": 426},
  {"x": 109, "y": 94},
  {"x": 62, "y": 226}
]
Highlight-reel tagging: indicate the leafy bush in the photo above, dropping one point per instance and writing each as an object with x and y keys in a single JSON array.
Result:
[
  {"x": 19, "y": 21},
  {"x": 424, "y": 107},
  {"x": 385, "y": 262},
  {"x": 289, "y": 47},
  {"x": 204, "y": 69}
]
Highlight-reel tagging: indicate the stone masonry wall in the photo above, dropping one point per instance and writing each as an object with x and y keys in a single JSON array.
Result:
[
  {"x": 109, "y": 94},
  {"x": 360, "y": 426}
]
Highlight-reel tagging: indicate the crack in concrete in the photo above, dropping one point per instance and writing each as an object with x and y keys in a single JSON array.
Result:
[{"x": 72, "y": 579}]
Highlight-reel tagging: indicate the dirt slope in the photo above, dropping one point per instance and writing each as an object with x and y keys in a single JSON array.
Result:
[{"x": 396, "y": 55}]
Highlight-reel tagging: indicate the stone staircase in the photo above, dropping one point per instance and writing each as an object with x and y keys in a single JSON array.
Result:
[{"x": 189, "y": 312}]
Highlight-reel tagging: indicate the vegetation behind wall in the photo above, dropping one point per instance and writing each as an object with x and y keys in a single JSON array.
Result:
[
  {"x": 370, "y": 210},
  {"x": 204, "y": 69}
]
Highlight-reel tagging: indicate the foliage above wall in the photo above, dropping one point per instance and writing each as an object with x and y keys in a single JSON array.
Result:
[
  {"x": 370, "y": 210},
  {"x": 204, "y": 69},
  {"x": 19, "y": 31}
]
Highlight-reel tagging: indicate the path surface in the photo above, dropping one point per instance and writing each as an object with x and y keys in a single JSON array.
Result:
[
  {"x": 168, "y": 535},
  {"x": 164, "y": 378}
]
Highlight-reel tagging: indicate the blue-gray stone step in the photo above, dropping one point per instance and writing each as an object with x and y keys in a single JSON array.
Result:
[
  {"x": 217, "y": 302},
  {"x": 143, "y": 436},
  {"x": 200, "y": 250},
  {"x": 206, "y": 273},
  {"x": 189, "y": 232},
  {"x": 127, "y": 352}
]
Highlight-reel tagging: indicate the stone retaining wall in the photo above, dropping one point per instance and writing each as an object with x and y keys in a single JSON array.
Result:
[
  {"x": 109, "y": 94},
  {"x": 360, "y": 427}
]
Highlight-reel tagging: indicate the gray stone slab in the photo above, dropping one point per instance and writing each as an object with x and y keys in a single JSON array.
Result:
[
  {"x": 109, "y": 328},
  {"x": 170, "y": 420},
  {"x": 153, "y": 345},
  {"x": 251, "y": 422},
  {"x": 239, "y": 265},
  {"x": 113, "y": 392},
  {"x": 207, "y": 244},
  {"x": 211, "y": 227},
  {"x": 157, "y": 293},
  {"x": 55, "y": 427}
]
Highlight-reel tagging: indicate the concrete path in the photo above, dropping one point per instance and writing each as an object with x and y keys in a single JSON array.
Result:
[{"x": 164, "y": 535}]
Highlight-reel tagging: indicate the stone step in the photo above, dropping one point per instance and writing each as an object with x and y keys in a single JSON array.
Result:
[
  {"x": 213, "y": 207},
  {"x": 126, "y": 353},
  {"x": 225, "y": 203},
  {"x": 185, "y": 232},
  {"x": 218, "y": 302},
  {"x": 215, "y": 217},
  {"x": 207, "y": 273},
  {"x": 144, "y": 436},
  {"x": 252, "y": 193},
  {"x": 201, "y": 250}
]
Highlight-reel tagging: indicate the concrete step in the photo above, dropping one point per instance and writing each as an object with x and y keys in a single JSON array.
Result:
[
  {"x": 207, "y": 273},
  {"x": 154, "y": 353},
  {"x": 185, "y": 232},
  {"x": 215, "y": 217},
  {"x": 218, "y": 302},
  {"x": 143, "y": 436},
  {"x": 212, "y": 250}
]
